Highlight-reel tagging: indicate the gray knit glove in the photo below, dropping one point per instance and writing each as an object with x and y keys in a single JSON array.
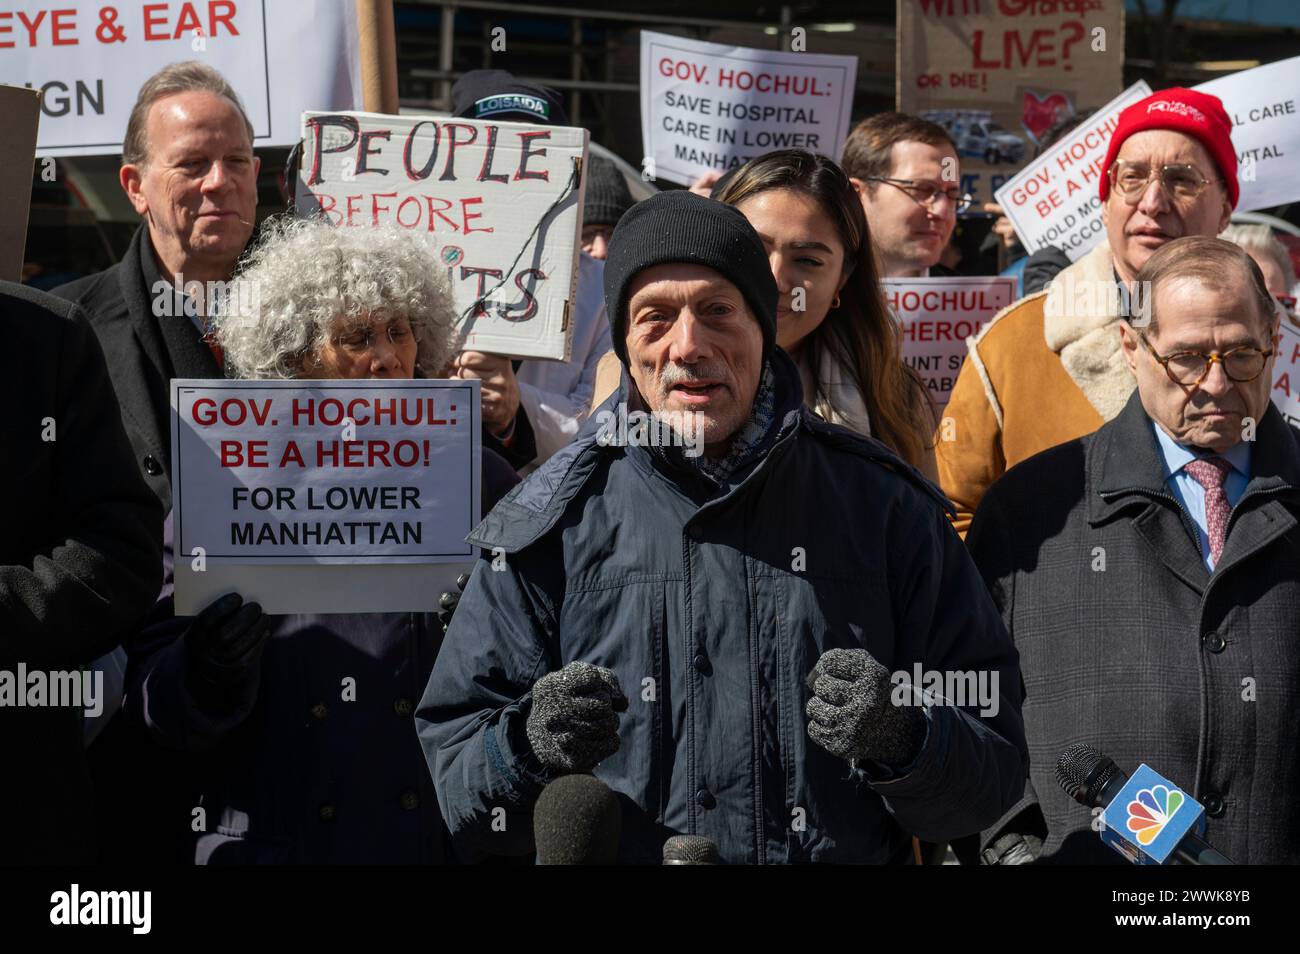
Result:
[
  {"x": 851, "y": 715},
  {"x": 573, "y": 725}
]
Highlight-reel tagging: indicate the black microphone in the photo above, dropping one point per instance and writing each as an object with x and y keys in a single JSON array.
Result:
[
  {"x": 1094, "y": 781},
  {"x": 577, "y": 821},
  {"x": 690, "y": 850}
]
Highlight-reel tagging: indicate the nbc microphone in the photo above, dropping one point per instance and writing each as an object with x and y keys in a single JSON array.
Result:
[{"x": 1147, "y": 818}]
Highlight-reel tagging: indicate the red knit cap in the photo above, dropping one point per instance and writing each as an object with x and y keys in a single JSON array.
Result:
[{"x": 1199, "y": 115}]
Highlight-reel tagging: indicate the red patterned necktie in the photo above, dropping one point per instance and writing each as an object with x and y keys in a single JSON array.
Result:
[{"x": 1210, "y": 473}]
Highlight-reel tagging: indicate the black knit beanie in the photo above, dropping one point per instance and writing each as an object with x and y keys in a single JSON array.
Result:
[
  {"x": 680, "y": 226},
  {"x": 608, "y": 196}
]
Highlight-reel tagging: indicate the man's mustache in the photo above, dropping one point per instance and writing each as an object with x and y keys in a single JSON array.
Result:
[{"x": 673, "y": 374}]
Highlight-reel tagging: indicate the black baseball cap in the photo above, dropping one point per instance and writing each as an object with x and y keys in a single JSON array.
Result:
[{"x": 497, "y": 94}]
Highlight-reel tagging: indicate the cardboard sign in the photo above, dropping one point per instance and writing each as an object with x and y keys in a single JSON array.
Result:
[
  {"x": 500, "y": 202},
  {"x": 20, "y": 108},
  {"x": 938, "y": 315},
  {"x": 1286, "y": 373},
  {"x": 1054, "y": 199},
  {"x": 89, "y": 59},
  {"x": 998, "y": 74},
  {"x": 1264, "y": 105},
  {"x": 710, "y": 106},
  {"x": 275, "y": 473}
]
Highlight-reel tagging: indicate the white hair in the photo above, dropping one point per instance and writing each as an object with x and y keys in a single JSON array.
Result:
[
  {"x": 305, "y": 274},
  {"x": 1258, "y": 239}
]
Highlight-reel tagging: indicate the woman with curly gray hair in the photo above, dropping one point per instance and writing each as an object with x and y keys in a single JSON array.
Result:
[
  {"x": 326, "y": 302},
  {"x": 295, "y": 768}
]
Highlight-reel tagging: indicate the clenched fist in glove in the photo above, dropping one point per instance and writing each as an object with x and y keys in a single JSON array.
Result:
[
  {"x": 851, "y": 714},
  {"x": 573, "y": 725}
]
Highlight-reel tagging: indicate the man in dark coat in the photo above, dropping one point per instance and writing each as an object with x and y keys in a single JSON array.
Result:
[
  {"x": 188, "y": 168},
  {"x": 714, "y": 633},
  {"x": 80, "y": 544},
  {"x": 1149, "y": 573}
]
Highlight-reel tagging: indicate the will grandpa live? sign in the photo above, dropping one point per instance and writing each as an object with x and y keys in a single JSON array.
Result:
[{"x": 499, "y": 202}]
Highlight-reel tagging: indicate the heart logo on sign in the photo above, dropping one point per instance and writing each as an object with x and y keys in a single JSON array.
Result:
[{"x": 1042, "y": 112}]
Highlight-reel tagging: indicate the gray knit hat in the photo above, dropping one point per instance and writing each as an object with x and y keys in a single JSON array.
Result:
[
  {"x": 608, "y": 196},
  {"x": 680, "y": 226}
]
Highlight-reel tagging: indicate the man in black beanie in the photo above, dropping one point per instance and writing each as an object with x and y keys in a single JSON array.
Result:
[
  {"x": 729, "y": 611},
  {"x": 607, "y": 199}
]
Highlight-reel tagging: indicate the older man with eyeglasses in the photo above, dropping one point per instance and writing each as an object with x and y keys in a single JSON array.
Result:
[
  {"x": 1048, "y": 368},
  {"x": 1149, "y": 573}
]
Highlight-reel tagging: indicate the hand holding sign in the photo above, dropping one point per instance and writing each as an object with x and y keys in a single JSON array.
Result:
[
  {"x": 500, "y": 388},
  {"x": 222, "y": 648}
]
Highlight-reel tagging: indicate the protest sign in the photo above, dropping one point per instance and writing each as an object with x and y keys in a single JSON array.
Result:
[
  {"x": 89, "y": 60},
  {"x": 1286, "y": 373},
  {"x": 998, "y": 74},
  {"x": 1265, "y": 131},
  {"x": 500, "y": 202},
  {"x": 937, "y": 315},
  {"x": 711, "y": 106},
  {"x": 17, "y": 151},
  {"x": 276, "y": 473},
  {"x": 1054, "y": 200}
]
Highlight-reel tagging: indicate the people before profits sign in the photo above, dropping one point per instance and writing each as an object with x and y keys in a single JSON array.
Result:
[{"x": 500, "y": 202}]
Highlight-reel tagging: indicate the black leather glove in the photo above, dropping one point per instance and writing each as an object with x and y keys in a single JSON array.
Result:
[
  {"x": 448, "y": 601},
  {"x": 223, "y": 647},
  {"x": 573, "y": 725},
  {"x": 851, "y": 714}
]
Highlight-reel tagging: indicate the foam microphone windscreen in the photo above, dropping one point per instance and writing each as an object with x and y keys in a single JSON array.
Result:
[
  {"x": 577, "y": 821},
  {"x": 690, "y": 850},
  {"x": 1088, "y": 777}
]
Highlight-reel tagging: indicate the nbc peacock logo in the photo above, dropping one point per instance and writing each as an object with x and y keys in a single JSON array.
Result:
[{"x": 1152, "y": 810}]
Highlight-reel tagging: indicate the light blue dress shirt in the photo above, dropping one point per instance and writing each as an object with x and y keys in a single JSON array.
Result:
[{"x": 1190, "y": 493}]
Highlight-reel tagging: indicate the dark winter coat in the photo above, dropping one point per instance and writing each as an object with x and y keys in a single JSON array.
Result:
[{"x": 711, "y": 606}]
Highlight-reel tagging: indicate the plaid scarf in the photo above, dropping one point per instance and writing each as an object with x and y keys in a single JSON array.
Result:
[{"x": 748, "y": 438}]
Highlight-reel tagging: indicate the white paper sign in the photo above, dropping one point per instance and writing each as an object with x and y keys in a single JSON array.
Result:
[
  {"x": 1054, "y": 199},
  {"x": 283, "y": 472},
  {"x": 711, "y": 106},
  {"x": 1263, "y": 106},
  {"x": 938, "y": 315},
  {"x": 89, "y": 60},
  {"x": 1286, "y": 373},
  {"x": 500, "y": 202}
]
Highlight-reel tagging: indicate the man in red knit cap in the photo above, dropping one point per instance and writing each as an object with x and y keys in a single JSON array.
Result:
[{"x": 1049, "y": 368}]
